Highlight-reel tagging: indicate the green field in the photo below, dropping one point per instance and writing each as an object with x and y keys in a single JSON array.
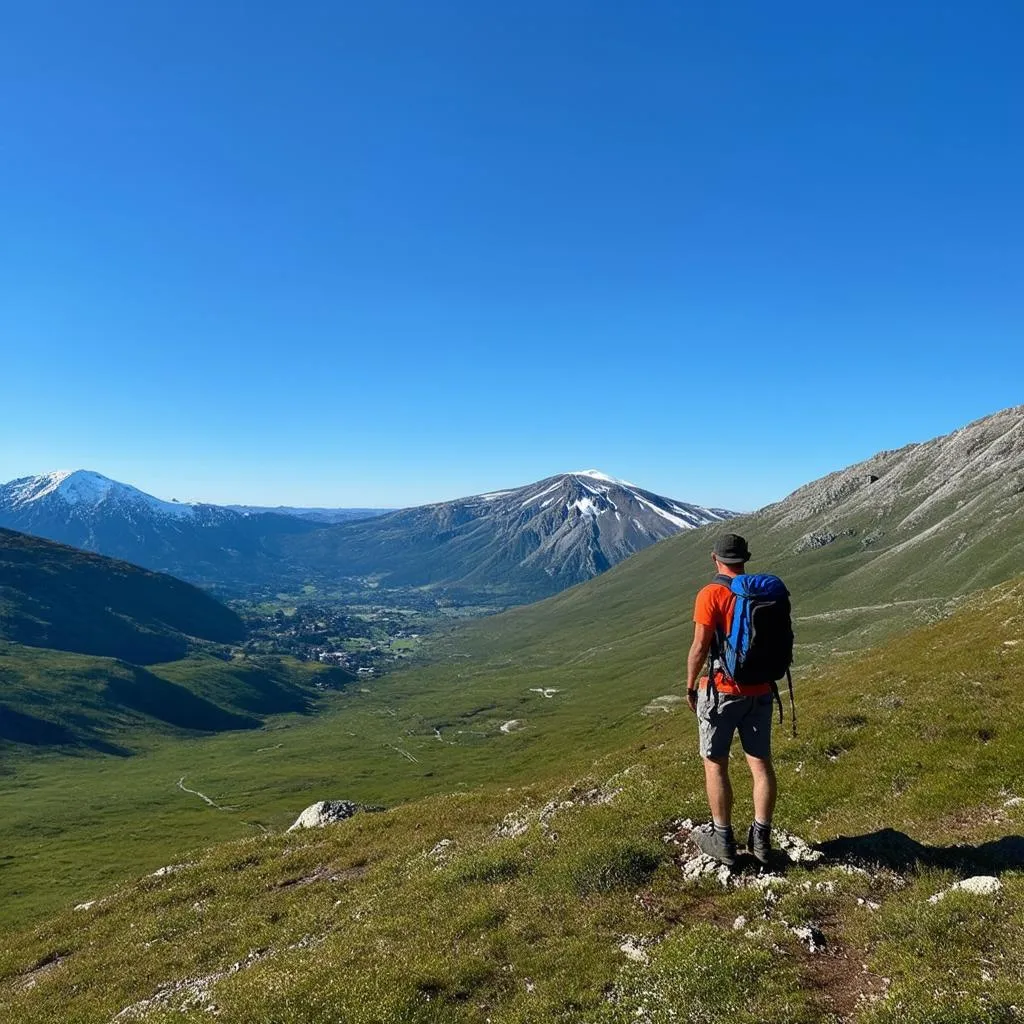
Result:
[{"x": 359, "y": 922}]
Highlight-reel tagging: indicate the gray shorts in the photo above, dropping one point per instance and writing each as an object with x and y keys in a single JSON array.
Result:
[{"x": 752, "y": 716}]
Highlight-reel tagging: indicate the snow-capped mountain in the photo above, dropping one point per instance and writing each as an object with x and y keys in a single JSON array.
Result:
[
  {"x": 524, "y": 542},
  {"x": 90, "y": 511},
  {"x": 518, "y": 544},
  {"x": 80, "y": 490}
]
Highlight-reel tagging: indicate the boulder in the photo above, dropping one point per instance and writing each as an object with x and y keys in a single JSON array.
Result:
[{"x": 325, "y": 812}]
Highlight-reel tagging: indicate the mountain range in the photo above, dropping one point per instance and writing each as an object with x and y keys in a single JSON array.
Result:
[
  {"x": 314, "y": 515},
  {"x": 895, "y": 540},
  {"x": 509, "y": 546}
]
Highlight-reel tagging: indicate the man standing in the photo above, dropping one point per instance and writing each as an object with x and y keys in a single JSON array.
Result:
[{"x": 724, "y": 707}]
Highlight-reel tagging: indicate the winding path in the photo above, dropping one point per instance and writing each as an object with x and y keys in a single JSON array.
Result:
[{"x": 202, "y": 796}]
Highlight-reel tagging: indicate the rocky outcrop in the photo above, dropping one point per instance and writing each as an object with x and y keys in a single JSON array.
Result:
[
  {"x": 820, "y": 539},
  {"x": 665, "y": 704}
]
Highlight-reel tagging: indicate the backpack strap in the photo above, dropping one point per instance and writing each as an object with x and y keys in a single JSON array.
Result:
[
  {"x": 717, "y": 649},
  {"x": 718, "y": 642},
  {"x": 792, "y": 705}
]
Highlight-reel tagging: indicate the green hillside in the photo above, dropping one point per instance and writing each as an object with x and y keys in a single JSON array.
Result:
[
  {"x": 97, "y": 654},
  {"x": 73, "y": 702},
  {"x": 906, "y": 749},
  {"x": 528, "y": 706},
  {"x": 58, "y": 597}
]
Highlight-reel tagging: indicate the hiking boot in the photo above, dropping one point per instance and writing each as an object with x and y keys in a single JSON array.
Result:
[
  {"x": 708, "y": 840},
  {"x": 759, "y": 843}
]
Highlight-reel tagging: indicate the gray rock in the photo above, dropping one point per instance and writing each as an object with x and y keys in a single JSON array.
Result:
[
  {"x": 798, "y": 850},
  {"x": 633, "y": 947},
  {"x": 666, "y": 704},
  {"x": 513, "y": 825},
  {"x": 441, "y": 850},
  {"x": 325, "y": 812},
  {"x": 170, "y": 869},
  {"x": 977, "y": 885},
  {"x": 811, "y": 937}
]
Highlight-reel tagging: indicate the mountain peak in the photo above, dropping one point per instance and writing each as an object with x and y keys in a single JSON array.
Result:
[
  {"x": 596, "y": 474},
  {"x": 75, "y": 486},
  {"x": 84, "y": 489}
]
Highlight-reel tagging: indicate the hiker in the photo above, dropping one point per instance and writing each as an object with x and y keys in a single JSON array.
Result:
[{"x": 742, "y": 699}]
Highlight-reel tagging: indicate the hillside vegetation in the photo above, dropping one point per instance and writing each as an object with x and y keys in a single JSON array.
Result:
[
  {"x": 58, "y": 597},
  {"x": 102, "y": 655},
  {"x": 553, "y": 896}
]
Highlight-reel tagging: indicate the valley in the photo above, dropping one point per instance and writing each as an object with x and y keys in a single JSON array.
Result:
[
  {"x": 905, "y": 572},
  {"x": 333, "y": 691},
  {"x": 564, "y": 887}
]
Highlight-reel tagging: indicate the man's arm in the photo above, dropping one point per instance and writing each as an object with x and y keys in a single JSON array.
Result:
[{"x": 696, "y": 659}]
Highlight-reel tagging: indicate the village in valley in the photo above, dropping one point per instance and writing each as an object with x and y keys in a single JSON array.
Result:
[{"x": 365, "y": 640}]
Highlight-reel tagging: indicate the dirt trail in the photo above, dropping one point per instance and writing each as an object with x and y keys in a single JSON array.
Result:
[{"x": 202, "y": 796}]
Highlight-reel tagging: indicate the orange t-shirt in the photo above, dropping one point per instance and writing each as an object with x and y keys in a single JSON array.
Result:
[{"x": 714, "y": 608}]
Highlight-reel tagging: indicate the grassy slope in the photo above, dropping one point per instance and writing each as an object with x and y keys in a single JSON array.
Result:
[
  {"x": 608, "y": 646},
  {"x": 919, "y": 735},
  {"x": 56, "y": 597},
  {"x": 77, "y": 702}
]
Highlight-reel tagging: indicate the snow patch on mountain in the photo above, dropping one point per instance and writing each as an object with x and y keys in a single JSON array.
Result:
[
  {"x": 547, "y": 490},
  {"x": 587, "y": 508},
  {"x": 683, "y": 524},
  {"x": 596, "y": 474}
]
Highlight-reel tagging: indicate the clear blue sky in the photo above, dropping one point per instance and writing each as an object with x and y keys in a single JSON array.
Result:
[{"x": 385, "y": 253}]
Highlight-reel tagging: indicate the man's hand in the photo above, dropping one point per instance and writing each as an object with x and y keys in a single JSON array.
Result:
[{"x": 691, "y": 699}]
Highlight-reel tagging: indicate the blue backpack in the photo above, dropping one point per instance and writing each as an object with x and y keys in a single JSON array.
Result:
[{"x": 759, "y": 646}]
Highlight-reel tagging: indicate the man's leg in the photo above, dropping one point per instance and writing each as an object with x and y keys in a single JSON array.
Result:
[
  {"x": 756, "y": 736},
  {"x": 765, "y": 787},
  {"x": 716, "y": 732},
  {"x": 716, "y": 780}
]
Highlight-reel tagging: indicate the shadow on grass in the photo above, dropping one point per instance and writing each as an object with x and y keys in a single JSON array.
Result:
[
  {"x": 892, "y": 849},
  {"x": 174, "y": 704},
  {"x": 17, "y": 727}
]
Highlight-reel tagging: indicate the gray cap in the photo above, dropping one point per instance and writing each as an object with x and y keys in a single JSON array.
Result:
[{"x": 731, "y": 549}]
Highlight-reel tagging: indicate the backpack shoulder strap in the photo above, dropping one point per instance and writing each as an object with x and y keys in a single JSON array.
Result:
[{"x": 716, "y": 653}]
